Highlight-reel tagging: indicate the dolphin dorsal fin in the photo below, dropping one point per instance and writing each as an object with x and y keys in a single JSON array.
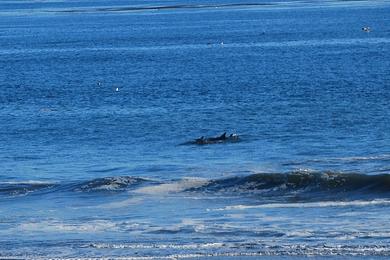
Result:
[{"x": 223, "y": 135}]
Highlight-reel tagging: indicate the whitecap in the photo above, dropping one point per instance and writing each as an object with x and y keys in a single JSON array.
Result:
[
  {"x": 355, "y": 203},
  {"x": 173, "y": 187}
]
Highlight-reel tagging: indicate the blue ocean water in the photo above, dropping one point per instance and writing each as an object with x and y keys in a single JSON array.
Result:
[{"x": 99, "y": 99}]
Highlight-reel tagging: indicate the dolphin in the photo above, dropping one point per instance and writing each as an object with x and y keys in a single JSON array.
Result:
[
  {"x": 216, "y": 139},
  {"x": 223, "y": 138}
]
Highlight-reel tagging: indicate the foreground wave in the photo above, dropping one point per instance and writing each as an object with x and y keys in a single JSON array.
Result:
[
  {"x": 107, "y": 184},
  {"x": 308, "y": 185},
  {"x": 302, "y": 182}
]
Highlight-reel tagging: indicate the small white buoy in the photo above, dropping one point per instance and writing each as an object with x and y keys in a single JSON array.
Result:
[{"x": 117, "y": 89}]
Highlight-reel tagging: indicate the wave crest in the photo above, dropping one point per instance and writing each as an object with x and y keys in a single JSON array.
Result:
[
  {"x": 23, "y": 188},
  {"x": 106, "y": 184},
  {"x": 307, "y": 185},
  {"x": 301, "y": 182},
  {"x": 117, "y": 183}
]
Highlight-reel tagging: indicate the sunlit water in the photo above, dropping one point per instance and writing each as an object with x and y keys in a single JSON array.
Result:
[{"x": 99, "y": 99}]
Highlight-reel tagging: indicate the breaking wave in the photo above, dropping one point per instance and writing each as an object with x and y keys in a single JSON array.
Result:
[
  {"x": 11, "y": 188},
  {"x": 107, "y": 184},
  {"x": 305, "y": 185},
  {"x": 120, "y": 183},
  {"x": 313, "y": 183}
]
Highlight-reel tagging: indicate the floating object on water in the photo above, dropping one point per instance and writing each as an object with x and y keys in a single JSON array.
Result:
[
  {"x": 366, "y": 29},
  {"x": 117, "y": 89},
  {"x": 232, "y": 138}
]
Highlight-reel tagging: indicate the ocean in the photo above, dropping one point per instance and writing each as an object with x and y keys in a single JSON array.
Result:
[{"x": 101, "y": 103}]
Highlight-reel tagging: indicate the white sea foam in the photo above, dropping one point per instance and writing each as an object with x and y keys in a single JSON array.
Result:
[
  {"x": 326, "y": 250},
  {"x": 173, "y": 187},
  {"x": 355, "y": 203},
  {"x": 210, "y": 250},
  {"x": 366, "y": 158},
  {"x": 59, "y": 226},
  {"x": 363, "y": 234},
  {"x": 156, "y": 246},
  {"x": 300, "y": 233},
  {"x": 120, "y": 204}
]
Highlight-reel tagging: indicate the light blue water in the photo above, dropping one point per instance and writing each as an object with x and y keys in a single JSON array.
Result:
[{"x": 98, "y": 97}]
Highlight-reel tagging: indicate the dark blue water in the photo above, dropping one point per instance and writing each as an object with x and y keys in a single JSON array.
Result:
[{"x": 99, "y": 99}]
